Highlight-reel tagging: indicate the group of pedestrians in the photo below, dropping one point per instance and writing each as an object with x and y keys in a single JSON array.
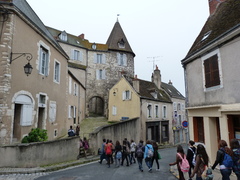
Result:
[
  {"x": 196, "y": 162},
  {"x": 130, "y": 152}
]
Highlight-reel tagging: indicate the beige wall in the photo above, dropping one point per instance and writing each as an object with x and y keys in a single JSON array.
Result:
[
  {"x": 39, "y": 154},
  {"x": 25, "y": 39},
  {"x": 125, "y": 108}
]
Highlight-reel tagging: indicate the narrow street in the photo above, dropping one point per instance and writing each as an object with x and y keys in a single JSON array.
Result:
[{"x": 98, "y": 171}]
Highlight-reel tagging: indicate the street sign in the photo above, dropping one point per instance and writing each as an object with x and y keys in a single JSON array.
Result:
[{"x": 185, "y": 124}]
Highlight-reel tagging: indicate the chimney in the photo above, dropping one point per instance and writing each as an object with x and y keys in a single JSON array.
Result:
[
  {"x": 81, "y": 36},
  {"x": 156, "y": 78},
  {"x": 136, "y": 84},
  {"x": 213, "y": 4},
  {"x": 170, "y": 82}
]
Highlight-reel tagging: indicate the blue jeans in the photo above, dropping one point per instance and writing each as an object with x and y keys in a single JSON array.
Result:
[
  {"x": 226, "y": 173},
  {"x": 139, "y": 160},
  {"x": 198, "y": 178},
  {"x": 148, "y": 162}
]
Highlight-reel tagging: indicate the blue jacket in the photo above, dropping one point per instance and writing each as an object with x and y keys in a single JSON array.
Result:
[{"x": 147, "y": 146}]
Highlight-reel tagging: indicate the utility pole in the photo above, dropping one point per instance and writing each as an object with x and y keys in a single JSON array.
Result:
[{"x": 153, "y": 60}]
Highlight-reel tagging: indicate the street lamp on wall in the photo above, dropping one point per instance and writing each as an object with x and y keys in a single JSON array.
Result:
[{"x": 28, "y": 67}]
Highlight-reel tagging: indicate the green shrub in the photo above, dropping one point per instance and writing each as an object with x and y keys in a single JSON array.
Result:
[{"x": 36, "y": 135}]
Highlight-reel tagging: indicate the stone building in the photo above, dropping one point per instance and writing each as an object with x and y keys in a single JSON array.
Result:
[
  {"x": 101, "y": 65},
  {"x": 37, "y": 98}
]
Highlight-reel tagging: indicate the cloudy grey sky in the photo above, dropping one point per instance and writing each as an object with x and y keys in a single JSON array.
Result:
[{"x": 157, "y": 30}]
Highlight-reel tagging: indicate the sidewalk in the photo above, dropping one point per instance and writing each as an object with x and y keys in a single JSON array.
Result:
[
  {"x": 216, "y": 173},
  {"x": 49, "y": 168}
]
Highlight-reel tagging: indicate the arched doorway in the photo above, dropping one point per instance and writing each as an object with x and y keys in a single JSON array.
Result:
[
  {"x": 96, "y": 106},
  {"x": 22, "y": 115}
]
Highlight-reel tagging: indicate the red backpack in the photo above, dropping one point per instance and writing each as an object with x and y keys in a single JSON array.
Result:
[
  {"x": 184, "y": 165},
  {"x": 109, "y": 149}
]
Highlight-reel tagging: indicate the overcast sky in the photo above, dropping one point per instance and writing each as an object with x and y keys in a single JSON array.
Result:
[{"x": 158, "y": 30}]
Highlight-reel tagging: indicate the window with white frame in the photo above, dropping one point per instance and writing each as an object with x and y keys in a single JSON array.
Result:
[
  {"x": 75, "y": 91},
  {"x": 164, "y": 112},
  {"x": 174, "y": 106},
  {"x": 183, "y": 106},
  {"x": 71, "y": 111},
  {"x": 212, "y": 70},
  {"x": 77, "y": 55},
  {"x": 114, "y": 110},
  {"x": 100, "y": 74},
  {"x": 44, "y": 60},
  {"x": 156, "y": 111},
  {"x": 122, "y": 59},
  {"x": 179, "y": 106},
  {"x": 63, "y": 36},
  {"x": 56, "y": 71},
  {"x": 99, "y": 58},
  {"x": 149, "y": 110},
  {"x": 180, "y": 119},
  {"x": 126, "y": 95}
]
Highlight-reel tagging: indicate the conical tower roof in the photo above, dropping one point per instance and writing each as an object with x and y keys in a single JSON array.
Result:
[{"x": 117, "y": 40}]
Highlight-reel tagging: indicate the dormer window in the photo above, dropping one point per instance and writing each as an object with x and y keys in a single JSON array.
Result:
[
  {"x": 206, "y": 35},
  {"x": 121, "y": 43},
  {"x": 63, "y": 36}
]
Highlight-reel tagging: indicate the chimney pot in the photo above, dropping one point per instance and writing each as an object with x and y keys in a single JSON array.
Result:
[{"x": 81, "y": 36}]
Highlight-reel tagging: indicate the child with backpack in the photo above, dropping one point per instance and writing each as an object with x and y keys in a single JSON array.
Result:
[
  {"x": 182, "y": 163},
  {"x": 139, "y": 152},
  {"x": 191, "y": 156},
  {"x": 224, "y": 159},
  {"x": 235, "y": 147},
  {"x": 201, "y": 163},
  {"x": 148, "y": 155}
]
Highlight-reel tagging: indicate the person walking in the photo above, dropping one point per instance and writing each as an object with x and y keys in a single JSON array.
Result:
[
  {"x": 132, "y": 149},
  {"x": 191, "y": 156},
  {"x": 235, "y": 147},
  {"x": 139, "y": 154},
  {"x": 201, "y": 162},
  {"x": 118, "y": 154},
  {"x": 148, "y": 155},
  {"x": 103, "y": 155},
  {"x": 125, "y": 153},
  {"x": 223, "y": 150},
  {"x": 108, "y": 151},
  {"x": 85, "y": 146},
  {"x": 179, "y": 158},
  {"x": 155, "y": 154}
]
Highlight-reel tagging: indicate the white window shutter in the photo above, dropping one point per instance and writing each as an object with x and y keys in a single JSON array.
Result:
[
  {"x": 52, "y": 111},
  {"x": 97, "y": 74},
  {"x": 130, "y": 95},
  {"x": 104, "y": 74},
  {"x": 81, "y": 55},
  {"x": 95, "y": 58},
  {"x": 118, "y": 59},
  {"x": 69, "y": 111},
  {"x": 123, "y": 95},
  {"x": 72, "y": 54},
  {"x": 74, "y": 111},
  {"x": 103, "y": 58},
  {"x": 124, "y": 59},
  {"x": 26, "y": 115}
]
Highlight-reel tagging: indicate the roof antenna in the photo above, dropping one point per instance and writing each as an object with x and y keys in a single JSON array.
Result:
[
  {"x": 153, "y": 60},
  {"x": 117, "y": 16}
]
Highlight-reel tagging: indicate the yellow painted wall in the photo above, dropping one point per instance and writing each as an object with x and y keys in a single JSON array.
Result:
[{"x": 125, "y": 108}]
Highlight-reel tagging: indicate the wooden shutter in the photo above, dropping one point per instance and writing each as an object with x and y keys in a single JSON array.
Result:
[{"x": 211, "y": 71}]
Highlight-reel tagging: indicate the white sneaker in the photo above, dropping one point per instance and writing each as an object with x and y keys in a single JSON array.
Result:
[{"x": 157, "y": 169}]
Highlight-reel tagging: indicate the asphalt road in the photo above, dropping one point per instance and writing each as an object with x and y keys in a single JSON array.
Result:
[{"x": 98, "y": 171}]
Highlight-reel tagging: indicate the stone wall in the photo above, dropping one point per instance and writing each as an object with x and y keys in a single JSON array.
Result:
[
  {"x": 39, "y": 154},
  {"x": 129, "y": 129}
]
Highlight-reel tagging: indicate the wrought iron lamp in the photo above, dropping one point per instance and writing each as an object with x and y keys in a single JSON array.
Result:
[{"x": 28, "y": 67}]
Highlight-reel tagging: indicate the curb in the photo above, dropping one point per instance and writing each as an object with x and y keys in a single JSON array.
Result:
[{"x": 50, "y": 168}]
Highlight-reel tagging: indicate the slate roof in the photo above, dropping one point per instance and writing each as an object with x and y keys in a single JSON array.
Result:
[
  {"x": 172, "y": 91},
  {"x": 147, "y": 87},
  {"x": 76, "y": 40},
  {"x": 225, "y": 19},
  {"x": 116, "y": 36},
  {"x": 28, "y": 12}
]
